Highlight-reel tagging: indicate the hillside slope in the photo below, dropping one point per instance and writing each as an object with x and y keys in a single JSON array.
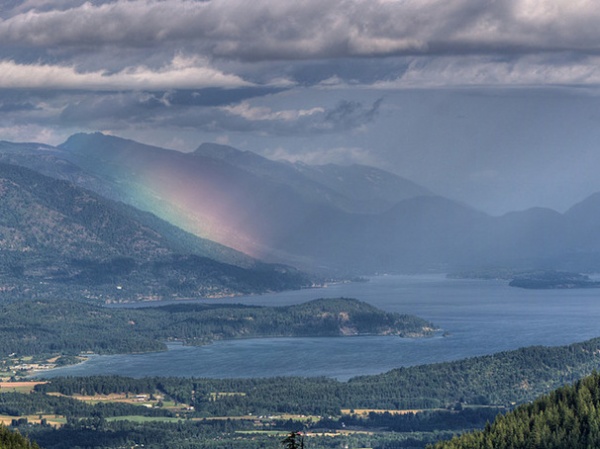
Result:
[
  {"x": 567, "y": 418},
  {"x": 59, "y": 240}
]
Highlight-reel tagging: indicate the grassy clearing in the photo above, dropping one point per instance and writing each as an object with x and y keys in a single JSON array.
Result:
[
  {"x": 143, "y": 419},
  {"x": 366, "y": 411},
  {"x": 283, "y": 433},
  {"x": 284, "y": 416},
  {"x": 18, "y": 387},
  {"x": 224, "y": 418},
  {"x": 275, "y": 433},
  {"x": 224, "y": 394},
  {"x": 171, "y": 404},
  {"x": 53, "y": 420},
  {"x": 123, "y": 398},
  {"x": 119, "y": 397},
  {"x": 116, "y": 397},
  {"x": 354, "y": 432}
]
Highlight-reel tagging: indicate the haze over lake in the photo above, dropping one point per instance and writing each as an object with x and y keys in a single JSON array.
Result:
[{"x": 476, "y": 318}]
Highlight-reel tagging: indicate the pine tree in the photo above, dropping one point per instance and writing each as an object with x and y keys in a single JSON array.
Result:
[{"x": 294, "y": 440}]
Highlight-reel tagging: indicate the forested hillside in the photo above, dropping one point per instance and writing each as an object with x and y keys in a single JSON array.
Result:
[
  {"x": 14, "y": 440},
  {"x": 568, "y": 418},
  {"x": 67, "y": 327},
  {"x": 504, "y": 379},
  {"x": 59, "y": 240}
]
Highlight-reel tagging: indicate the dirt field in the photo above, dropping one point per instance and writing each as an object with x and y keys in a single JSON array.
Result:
[
  {"x": 366, "y": 411},
  {"x": 53, "y": 420},
  {"x": 19, "y": 387}
]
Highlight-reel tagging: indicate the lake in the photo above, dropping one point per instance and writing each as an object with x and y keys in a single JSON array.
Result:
[{"x": 477, "y": 317}]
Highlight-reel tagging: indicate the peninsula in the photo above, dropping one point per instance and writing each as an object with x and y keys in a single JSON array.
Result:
[{"x": 70, "y": 328}]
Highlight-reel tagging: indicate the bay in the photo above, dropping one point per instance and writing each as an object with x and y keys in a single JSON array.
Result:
[{"x": 477, "y": 317}]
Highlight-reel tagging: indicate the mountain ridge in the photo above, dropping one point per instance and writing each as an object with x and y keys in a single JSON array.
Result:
[
  {"x": 57, "y": 239},
  {"x": 264, "y": 208},
  {"x": 355, "y": 219}
]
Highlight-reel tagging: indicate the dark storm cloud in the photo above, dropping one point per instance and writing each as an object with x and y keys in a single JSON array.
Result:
[
  {"x": 203, "y": 110},
  {"x": 186, "y": 44},
  {"x": 273, "y": 30},
  {"x": 7, "y": 107},
  {"x": 351, "y": 114},
  {"x": 218, "y": 97},
  {"x": 344, "y": 116},
  {"x": 355, "y": 71}
]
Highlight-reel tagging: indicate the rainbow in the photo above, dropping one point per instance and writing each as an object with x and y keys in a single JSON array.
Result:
[{"x": 186, "y": 200}]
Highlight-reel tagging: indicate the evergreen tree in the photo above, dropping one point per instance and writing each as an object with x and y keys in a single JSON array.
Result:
[{"x": 294, "y": 440}]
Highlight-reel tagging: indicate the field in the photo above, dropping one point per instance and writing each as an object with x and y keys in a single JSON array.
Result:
[
  {"x": 19, "y": 387},
  {"x": 121, "y": 397},
  {"x": 366, "y": 411},
  {"x": 53, "y": 420},
  {"x": 143, "y": 419}
]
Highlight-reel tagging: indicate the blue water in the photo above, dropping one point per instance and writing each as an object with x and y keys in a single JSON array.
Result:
[{"x": 478, "y": 317}]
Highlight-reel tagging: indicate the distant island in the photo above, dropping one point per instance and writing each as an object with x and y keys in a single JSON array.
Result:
[
  {"x": 533, "y": 279},
  {"x": 553, "y": 280},
  {"x": 70, "y": 328}
]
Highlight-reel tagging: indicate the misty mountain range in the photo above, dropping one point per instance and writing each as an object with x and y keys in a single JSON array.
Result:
[{"x": 340, "y": 219}]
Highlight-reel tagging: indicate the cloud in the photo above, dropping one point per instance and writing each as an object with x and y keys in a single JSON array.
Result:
[
  {"x": 351, "y": 114},
  {"x": 185, "y": 110},
  {"x": 11, "y": 107},
  {"x": 212, "y": 96},
  {"x": 337, "y": 155},
  {"x": 251, "y": 113},
  {"x": 33, "y": 133},
  {"x": 177, "y": 44},
  {"x": 263, "y": 30},
  {"x": 345, "y": 115},
  {"x": 312, "y": 29},
  {"x": 534, "y": 70},
  {"x": 182, "y": 73}
]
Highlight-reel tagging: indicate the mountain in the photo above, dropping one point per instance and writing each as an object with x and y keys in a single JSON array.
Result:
[
  {"x": 354, "y": 188},
  {"x": 584, "y": 224},
  {"x": 56, "y": 238},
  {"x": 566, "y": 418},
  {"x": 533, "y": 238},
  {"x": 355, "y": 219},
  {"x": 308, "y": 216},
  {"x": 327, "y": 216},
  {"x": 52, "y": 161},
  {"x": 370, "y": 189},
  {"x": 314, "y": 216},
  {"x": 205, "y": 196}
]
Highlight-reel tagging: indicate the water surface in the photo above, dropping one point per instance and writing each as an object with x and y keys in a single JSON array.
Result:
[{"x": 478, "y": 317}]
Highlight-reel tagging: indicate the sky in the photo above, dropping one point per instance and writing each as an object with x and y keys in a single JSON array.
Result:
[{"x": 495, "y": 103}]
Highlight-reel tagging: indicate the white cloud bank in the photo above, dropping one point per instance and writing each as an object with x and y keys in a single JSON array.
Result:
[
  {"x": 261, "y": 113},
  {"x": 488, "y": 71},
  {"x": 337, "y": 155},
  {"x": 180, "y": 73}
]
